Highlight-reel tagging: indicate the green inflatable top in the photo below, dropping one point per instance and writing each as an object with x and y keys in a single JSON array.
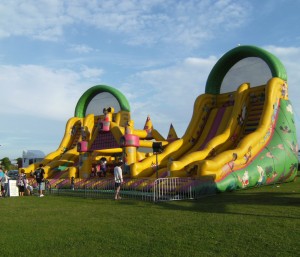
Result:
[
  {"x": 87, "y": 97},
  {"x": 224, "y": 64}
]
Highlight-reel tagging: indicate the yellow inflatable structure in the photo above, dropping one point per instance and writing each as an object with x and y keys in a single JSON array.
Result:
[{"x": 241, "y": 132}]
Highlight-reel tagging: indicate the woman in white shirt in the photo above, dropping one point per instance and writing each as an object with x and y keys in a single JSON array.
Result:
[{"x": 118, "y": 179}]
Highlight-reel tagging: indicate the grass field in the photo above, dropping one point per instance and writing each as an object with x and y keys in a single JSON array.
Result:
[{"x": 258, "y": 222}]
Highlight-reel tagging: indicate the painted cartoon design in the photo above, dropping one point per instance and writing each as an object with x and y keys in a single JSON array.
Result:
[
  {"x": 271, "y": 156},
  {"x": 284, "y": 91},
  {"x": 271, "y": 178},
  {"x": 291, "y": 171},
  {"x": 275, "y": 107},
  {"x": 242, "y": 116},
  {"x": 279, "y": 146},
  {"x": 248, "y": 155},
  {"x": 244, "y": 179},
  {"x": 262, "y": 175},
  {"x": 293, "y": 146},
  {"x": 228, "y": 167},
  {"x": 289, "y": 108},
  {"x": 285, "y": 129}
]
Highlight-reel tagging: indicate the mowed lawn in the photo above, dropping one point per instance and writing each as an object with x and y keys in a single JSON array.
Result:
[{"x": 262, "y": 221}]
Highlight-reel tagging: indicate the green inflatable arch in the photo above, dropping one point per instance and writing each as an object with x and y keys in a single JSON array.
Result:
[
  {"x": 224, "y": 64},
  {"x": 85, "y": 99}
]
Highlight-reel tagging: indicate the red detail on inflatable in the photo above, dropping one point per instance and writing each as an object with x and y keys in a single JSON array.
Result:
[
  {"x": 82, "y": 146},
  {"x": 105, "y": 126},
  {"x": 132, "y": 140}
]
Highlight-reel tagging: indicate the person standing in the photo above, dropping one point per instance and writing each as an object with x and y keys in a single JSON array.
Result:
[
  {"x": 21, "y": 183},
  {"x": 103, "y": 166},
  {"x": 118, "y": 179},
  {"x": 4, "y": 183},
  {"x": 39, "y": 177},
  {"x": 72, "y": 183},
  {"x": 98, "y": 170},
  {"x": 1, "y": 178}
]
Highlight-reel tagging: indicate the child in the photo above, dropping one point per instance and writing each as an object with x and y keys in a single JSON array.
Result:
[{"x": 103, "y": 167}]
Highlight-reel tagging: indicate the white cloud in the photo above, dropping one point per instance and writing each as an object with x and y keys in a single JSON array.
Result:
[
  {"x": 140, "y": 21},
  {"x": 165, "y": 91},
  {"x": 290, "y": 56},
  {"x": 36, "y": 104},
  {"x": 43, "y": 19},
  {"x": 91, "y": 73},
  {"x": 41, "y": 91},
  {"x": 81, "y": 49},
  {"x": 168, "y": 94}
]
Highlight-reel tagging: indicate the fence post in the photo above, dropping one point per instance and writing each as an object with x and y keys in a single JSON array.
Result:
[{"x": 154, "y": 190}]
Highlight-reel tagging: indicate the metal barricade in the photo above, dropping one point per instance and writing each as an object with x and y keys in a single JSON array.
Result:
[
  {"x": 167, "y": 189},
  {"x": 145, "y": 189},
  {"x": 140, "y": 189}
]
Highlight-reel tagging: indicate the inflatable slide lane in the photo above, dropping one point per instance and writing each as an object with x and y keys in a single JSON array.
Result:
[
  {"x": 213, "y": 141},
  {"x": 264, "y": 156},
  {"x": 66, "y": 164},
  {"x": 69, "y": 141},
  {"x": 261, "y": 148},
  {"x": 209, "y": 120},
  {"x": 107, "y": 136}
]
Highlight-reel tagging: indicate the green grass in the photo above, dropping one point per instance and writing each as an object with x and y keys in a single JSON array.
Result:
[{"x": 258, "y": 222}]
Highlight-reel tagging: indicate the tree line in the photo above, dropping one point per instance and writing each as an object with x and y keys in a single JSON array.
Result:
[{"x": 7, "y": 165}]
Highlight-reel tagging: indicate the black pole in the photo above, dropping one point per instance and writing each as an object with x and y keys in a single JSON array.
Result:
[
  {"x": 157, "y": 148},
  {"x": 156, "y": 166}
]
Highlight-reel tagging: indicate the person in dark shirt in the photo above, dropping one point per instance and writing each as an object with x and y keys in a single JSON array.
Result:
[
  {"x": 39, "y": 177},
  {"x": 72, "y": 183},
  {"x": 103, "y": 167}
]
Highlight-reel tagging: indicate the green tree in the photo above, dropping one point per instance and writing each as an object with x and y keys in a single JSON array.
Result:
[{"x": 6, "y": 163}]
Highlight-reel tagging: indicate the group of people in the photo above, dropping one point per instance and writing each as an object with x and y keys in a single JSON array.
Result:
[
  {"x": 23, "y": 185},
  {"x": 100, "y": 169},
  {"x": 22, "y": 182}
]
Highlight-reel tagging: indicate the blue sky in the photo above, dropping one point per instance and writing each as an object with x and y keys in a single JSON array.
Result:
[{"x": 158, "y": 53}]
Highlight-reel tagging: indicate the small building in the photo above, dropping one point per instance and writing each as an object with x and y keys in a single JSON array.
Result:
[{"x": 32, "y": 156}]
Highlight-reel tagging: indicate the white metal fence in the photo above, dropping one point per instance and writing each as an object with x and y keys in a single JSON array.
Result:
[
  {"x": 146, "y": 189},
  {"x": 166, "y": 189}
]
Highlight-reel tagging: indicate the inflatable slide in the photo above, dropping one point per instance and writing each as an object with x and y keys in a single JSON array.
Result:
[
  {"x": 241, "y": 134},
  {"x": 66, "y": 152},
  {"x": 242, "y": 131},
  {"x": 101, "y": 122}
]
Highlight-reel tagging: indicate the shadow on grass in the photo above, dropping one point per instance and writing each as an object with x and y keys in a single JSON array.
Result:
[
  {"x": 278, "y": 200},
  {"x": 281, "y": 201}
]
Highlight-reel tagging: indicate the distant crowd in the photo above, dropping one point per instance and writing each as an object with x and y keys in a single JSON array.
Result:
[{"x": 24, "y": 188}]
